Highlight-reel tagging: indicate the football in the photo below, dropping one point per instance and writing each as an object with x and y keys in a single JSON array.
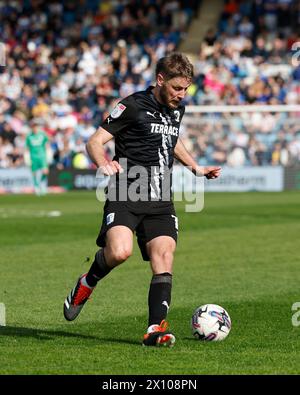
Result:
[{"x": 210, "y": 322}]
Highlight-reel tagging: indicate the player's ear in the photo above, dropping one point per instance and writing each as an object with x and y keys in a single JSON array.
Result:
[{"x": 160, "y": 79}]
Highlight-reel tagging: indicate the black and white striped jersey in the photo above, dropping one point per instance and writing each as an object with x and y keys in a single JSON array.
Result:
[{"x": 146, "y": 133}]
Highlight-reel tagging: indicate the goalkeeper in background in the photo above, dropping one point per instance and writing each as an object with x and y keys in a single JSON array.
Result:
[{"x": 36, "y": 143}]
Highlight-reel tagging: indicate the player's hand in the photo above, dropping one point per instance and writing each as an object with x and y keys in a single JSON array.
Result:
[
  {"x": 210, "y": 172},
  {"x": 111, "y": 168}
]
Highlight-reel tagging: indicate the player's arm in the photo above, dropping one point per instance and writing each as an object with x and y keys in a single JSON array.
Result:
[
  {"x": 186, "y": 159},
  {"x": 95, "y": 149},
  {"x": 122, "y": 116},
  {"x": 26, "y": 155}
]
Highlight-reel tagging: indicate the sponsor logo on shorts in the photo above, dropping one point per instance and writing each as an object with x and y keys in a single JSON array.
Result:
[{"x": 110, "y": 218}]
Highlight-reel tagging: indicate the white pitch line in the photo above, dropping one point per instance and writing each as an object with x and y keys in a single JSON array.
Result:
[
  {"x": 24, "y": 213},
  {"x": 2, "y": 315}
]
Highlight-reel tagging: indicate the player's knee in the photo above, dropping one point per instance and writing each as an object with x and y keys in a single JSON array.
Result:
[
  {"x": 167, "y": 257},
  {"x": 163, "y": 261},
  {"x": 121, "y": 254}
]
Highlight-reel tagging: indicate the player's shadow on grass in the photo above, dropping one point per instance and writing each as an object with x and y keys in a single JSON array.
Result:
[
  {"x": 44, "y": 334},
  {"x": 124, "y": 341},
  {"x": 41, "y": 334}
]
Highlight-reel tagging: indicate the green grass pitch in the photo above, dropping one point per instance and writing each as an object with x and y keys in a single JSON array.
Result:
[{"x": 242, "y": 252}]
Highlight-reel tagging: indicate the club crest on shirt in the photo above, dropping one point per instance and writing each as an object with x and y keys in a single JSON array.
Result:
[{"x": 117, "y": 111}]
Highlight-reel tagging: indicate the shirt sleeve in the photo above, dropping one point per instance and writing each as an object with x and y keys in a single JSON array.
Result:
[{"x": 121, "y": 117}]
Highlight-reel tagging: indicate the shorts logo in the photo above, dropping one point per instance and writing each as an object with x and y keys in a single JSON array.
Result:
[
  {"x": 110, "y": 218},
  {"x": 117, "y": 111}
]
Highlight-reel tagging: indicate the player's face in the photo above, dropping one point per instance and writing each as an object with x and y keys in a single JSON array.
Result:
[
  {"x": 173, "y": 91},
  {"x": 35, "y": 128}
]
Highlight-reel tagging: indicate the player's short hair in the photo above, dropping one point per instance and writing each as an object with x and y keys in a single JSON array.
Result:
[{"x": 175, "y": 65}]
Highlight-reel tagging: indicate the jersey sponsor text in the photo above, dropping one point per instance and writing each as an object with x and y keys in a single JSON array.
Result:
[{"x": 164, "y": 129}]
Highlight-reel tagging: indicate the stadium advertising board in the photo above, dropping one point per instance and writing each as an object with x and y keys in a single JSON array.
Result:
[
  {"x": 15, "y": 180},
  {"x": 233, "y": 180},
  {"x": 76, "y": 179},
  {"x": 292, "y": 178}
]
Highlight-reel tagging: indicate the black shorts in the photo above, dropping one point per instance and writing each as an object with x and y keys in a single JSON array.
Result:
[{"x": 149, "y": 223}]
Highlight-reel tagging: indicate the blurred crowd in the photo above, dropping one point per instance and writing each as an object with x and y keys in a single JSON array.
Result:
[
  {"x": 68, "y": 63},
  {"x": 251, "y": 58},
  {"x": 244, "y": 139}
]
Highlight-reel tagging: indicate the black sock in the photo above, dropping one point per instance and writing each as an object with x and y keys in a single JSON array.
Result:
[
  {"x": 159, "y": 297},
  {"x": 98, "y": 270}
]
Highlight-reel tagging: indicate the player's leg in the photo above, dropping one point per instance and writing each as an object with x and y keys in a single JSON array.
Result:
[
  {"x": 116, "y": 240},
  {"x": 119, "y": 241},
  {"x": 36, "y": 184},
  {"x": 44, "y": 179},
  {"x": 160, "y": 251},
  {"x": 157, "y": 240},
  {"x": 118, "y": 248},
  {"x": 36, "y": 174}
]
